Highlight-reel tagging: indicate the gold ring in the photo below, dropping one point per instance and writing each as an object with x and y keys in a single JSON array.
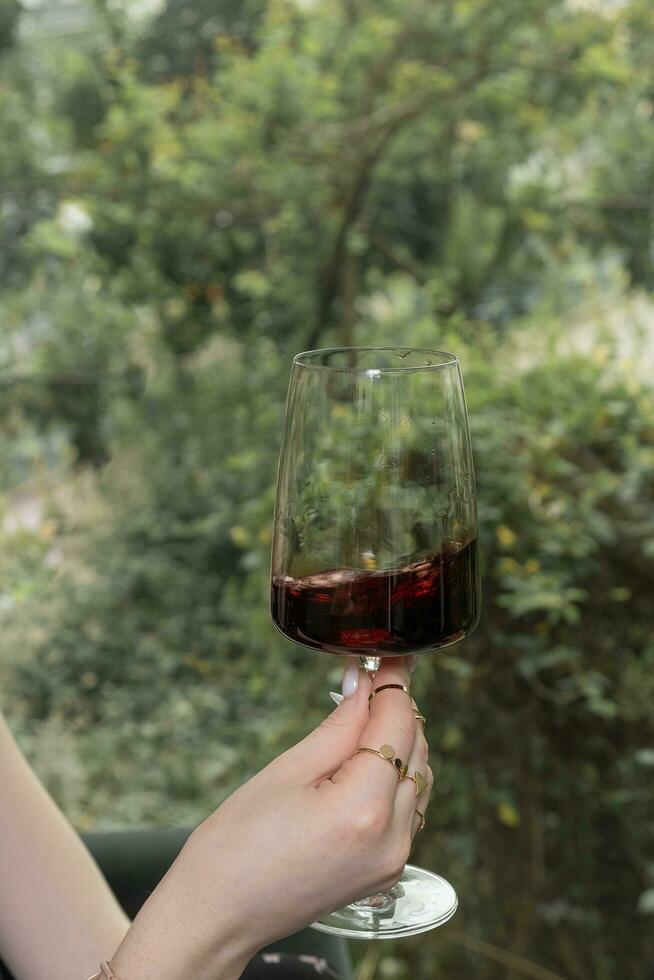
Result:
[
  {"x": 416, "y": 713},
  {"x": 420, "y": 781},
  {"x": 387, "y": 753},
  {"x": 388, "y": 687},
  {"x": 422, "y": 821}
]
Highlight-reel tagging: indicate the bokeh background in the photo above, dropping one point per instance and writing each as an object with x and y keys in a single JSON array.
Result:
[{"x": 190, "y": 192}]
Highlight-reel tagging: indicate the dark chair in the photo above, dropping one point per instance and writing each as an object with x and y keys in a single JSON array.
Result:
[{"x": 134, "y": 861}]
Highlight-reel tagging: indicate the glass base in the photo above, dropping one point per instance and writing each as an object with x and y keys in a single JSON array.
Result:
[{"x": 420, "y": 901}]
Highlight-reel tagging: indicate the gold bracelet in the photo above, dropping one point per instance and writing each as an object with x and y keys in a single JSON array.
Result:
[{"x": 106, "y": 973}]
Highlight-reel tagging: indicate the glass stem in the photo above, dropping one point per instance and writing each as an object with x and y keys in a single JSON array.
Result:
[
  {"x": 370, "y": 665},
  {"x": 381, "y": 903}
]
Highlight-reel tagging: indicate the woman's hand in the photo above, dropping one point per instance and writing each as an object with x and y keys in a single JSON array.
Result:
[{"x": 314, "y": 830}]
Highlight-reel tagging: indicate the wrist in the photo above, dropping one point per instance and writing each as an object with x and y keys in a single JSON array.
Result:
[
  {"x": 163, "y": 944},
  {"x": 140, "y": 959},
  {"x": 144, "y": 964}
]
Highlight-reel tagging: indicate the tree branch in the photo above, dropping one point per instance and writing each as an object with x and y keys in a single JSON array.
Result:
[
  {"x": 333, "y": 271},
  {"x": 499, "y": 955},
  {"x": 403, "y": 262}
]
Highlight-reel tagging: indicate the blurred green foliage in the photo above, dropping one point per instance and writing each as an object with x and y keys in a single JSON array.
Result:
[{"x": 188, "y": 199}]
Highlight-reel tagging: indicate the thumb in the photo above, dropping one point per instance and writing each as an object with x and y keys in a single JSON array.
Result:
[{"x": 327, "y": 747}]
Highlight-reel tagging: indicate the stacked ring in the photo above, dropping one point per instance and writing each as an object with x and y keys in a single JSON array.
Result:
[
  {"x": 420, "y": 781},
  {"x": 398, "y": 687},
  {"x": 387, "y": 753},
  {"x": 388, "y": 687}
]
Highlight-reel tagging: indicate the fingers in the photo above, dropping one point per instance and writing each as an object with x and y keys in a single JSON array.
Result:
[
  {"x": 336, "y": 739},
  {"x": 392, "y": 718},
  {"x": 421, "y": 804},
  {"x": 391, "y": 722},
  {"x": 407, "y": 800}
]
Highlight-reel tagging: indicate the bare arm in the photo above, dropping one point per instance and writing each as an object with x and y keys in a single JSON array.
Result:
[
  {"x": 58, "y": 917},
  {"x": 320, "y": 826}
]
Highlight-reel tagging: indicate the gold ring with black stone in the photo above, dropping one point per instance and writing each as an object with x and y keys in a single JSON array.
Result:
[{"x": 387, "y": 753}]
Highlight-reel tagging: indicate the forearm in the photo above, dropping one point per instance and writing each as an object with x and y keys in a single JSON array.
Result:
[{"x": 58, "y": 917}]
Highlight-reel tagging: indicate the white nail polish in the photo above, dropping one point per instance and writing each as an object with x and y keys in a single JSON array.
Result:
[
  {"x": 411, "y": 662},
  {"x": 350, "y": 681},
  {"x": 336, "y": 698}
]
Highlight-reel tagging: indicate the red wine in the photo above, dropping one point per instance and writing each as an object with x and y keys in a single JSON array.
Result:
[{"x": 422, "y": 606}]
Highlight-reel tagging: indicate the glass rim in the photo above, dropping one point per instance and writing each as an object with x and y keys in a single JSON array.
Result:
[{"x": 303, "y": 359}]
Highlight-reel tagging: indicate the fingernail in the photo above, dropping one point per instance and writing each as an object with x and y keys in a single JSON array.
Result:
[
  {"x": 350, "y": 680},
  {"x": 336, "y": 698},
  {"x": 411, "y": 662}
]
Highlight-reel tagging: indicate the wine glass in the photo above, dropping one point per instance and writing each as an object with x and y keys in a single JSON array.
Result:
[{"x": 374, "y": 547}]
